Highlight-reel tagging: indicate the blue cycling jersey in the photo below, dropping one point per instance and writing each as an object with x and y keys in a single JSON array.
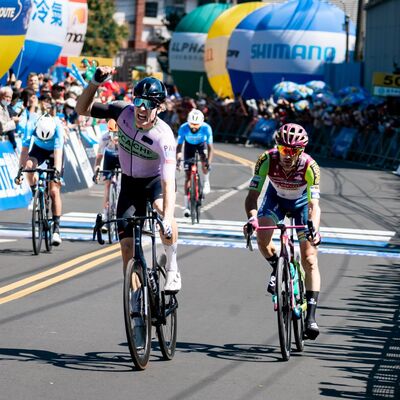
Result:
[
  {"x": 27, "y": 130},
  {"x": 204, "y": 134}
]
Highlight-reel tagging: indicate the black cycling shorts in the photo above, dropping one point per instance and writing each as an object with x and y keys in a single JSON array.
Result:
[
  {"x": 190, "y": 151},
  {"x": 42, "y": 155},
  {"x": 135, "y": 192}
]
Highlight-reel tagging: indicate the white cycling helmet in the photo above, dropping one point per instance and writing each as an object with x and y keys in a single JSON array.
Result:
[
  {"x": 195, "y": 117},
  {"x": 45, "y": 127}
]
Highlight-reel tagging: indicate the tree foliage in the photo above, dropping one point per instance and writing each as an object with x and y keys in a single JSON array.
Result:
[{"x": 104, "y": 37}]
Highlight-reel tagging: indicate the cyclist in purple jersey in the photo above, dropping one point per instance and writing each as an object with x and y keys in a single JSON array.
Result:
[
  {"x": 293, "y": 189},
  {"x": 147, "y": 155}
]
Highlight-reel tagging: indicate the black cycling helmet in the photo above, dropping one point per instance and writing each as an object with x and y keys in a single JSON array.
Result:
[{"x": 151, "y": 89}]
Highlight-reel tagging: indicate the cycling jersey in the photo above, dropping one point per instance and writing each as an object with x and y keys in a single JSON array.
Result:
[
  {"x": 203, "y": 135},
  {"x": 142, "y": 153},
  {"x": 302, "y": 182},
  {"x": 29, "y": 134}
]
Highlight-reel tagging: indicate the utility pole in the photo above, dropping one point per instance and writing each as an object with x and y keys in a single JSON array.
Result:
[{"x": 359, "y": 47}]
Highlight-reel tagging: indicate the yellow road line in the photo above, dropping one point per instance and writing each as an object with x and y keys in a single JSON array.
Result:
[
  {"x": 59, "y": 278},
  {"x": 57, "y": 269},
  {"x": 230, "y": 156}
]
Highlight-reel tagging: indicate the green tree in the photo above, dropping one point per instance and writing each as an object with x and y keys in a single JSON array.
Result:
[{"x": 104, "y": 37}]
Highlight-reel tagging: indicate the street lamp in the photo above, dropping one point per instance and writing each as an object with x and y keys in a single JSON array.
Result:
[{"x": 346, "y": 26}]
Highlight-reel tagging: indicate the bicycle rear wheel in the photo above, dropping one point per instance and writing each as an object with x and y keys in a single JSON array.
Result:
[
  {"x": 284, "y": 311},
  {"x": 298, "y": 320},
  {"x": 37, "y": 224},
  {"x": 193, "y": 198},
  {"x": 47, "y": 223},
  {"x": 112, "y": 214},
  {"x": 137, "y": 315},
  {"x": 167, "y": 332}
]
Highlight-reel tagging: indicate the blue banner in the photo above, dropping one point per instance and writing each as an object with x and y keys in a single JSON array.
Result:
[
  {"x": 343, "y": 141},
  {"x": 11, "y": 195}
]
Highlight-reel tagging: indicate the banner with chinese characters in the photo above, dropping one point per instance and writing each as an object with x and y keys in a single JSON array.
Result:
[
  {"x": 44, "y": 39},
  {"x": 77, "y": 26}
]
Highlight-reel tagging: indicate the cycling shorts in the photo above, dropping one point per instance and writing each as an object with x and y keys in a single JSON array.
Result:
[
  {"x": 111, "y": 162},
  {"x": 135, "y": 192},
  {"x": 190, "y": 152},
  {"x": 42, "y": 155},
  {"x": 278, "y": 208}
]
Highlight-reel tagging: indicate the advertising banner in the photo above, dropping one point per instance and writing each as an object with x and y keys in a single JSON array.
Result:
[
  {"x": 44, "y": 39},
  {"x": 11, "y": 195},
  {"x": 76, "y": 30}
]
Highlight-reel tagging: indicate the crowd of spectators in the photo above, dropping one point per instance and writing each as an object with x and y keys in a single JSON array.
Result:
[{"x": 231, "y": 119}]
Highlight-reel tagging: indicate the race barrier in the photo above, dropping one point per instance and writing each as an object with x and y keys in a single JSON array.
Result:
[
  {"x": 79, "y": 152},
  {"x": 11, "y": 195}
]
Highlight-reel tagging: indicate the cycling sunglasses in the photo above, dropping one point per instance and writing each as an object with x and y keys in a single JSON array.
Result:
[
  {"x": 148, "y": 104},
  {"x": 289, "y": 151}
]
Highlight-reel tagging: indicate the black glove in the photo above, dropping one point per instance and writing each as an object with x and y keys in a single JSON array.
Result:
[
  {"x": 56, "y": 176},
  {"x": 19, "y": 178},
  {"x": 208, "y": 166},
  {"x": 100, "y": 77},
  {"x": 95, "y": 177}
]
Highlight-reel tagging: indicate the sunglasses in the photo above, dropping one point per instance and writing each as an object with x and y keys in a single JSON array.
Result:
[
  {"x": 148, "y": 104},
  {"x": 289, "y": 151}
]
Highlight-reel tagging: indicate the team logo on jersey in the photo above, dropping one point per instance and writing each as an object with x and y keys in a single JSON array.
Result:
[
  {"x": 259, "y": 162},
  {"x": 315, "y": 169},
  {"x": 136, "y": 148}
]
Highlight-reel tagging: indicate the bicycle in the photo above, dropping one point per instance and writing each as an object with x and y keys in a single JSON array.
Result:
[
  {"x": 146, "y": 303},
  {"x": 42, "y": 222},
  {"x": 290, "y": 301},
  {"x": 113, "y": 194},
  {"x": 195, "y": 191}
]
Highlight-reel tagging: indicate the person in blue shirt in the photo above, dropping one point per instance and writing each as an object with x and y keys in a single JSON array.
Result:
[
  {"x": 43, "y": 140},
  {"x": 195, "y": 135}
]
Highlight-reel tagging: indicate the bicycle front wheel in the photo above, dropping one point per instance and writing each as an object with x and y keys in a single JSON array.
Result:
[
  {"x": 167, "y": 331},
  {"x": 193, "y": 198},
  {"x": 37, "y": 224},
  {"x": 47, "y": 223},
  {"x": 137, "y": 315},
  {"x": 284, "y": 311},
  {"x": 112, "y": 214}
]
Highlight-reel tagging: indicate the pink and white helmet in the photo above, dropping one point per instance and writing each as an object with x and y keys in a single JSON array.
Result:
[{"x": 292, "y": 135}]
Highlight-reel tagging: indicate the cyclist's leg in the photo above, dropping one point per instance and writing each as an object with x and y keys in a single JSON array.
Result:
[
  {"x": 269, "y": 214},
  {"x": 309, "y": 260},
  {"x": 124, "y": 209},
  {"x": 202, "y": 148}
]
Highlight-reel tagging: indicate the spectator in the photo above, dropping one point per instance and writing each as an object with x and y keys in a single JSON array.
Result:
[{"x": 8, "y": 117}]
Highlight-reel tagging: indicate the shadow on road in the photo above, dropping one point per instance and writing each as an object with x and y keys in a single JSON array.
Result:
[
  {"x": 370, "y": 352},
  {"x": 94, "y": 361}
]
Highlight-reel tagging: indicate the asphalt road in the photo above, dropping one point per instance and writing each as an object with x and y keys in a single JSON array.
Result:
[{"x": 62, "y": 332}]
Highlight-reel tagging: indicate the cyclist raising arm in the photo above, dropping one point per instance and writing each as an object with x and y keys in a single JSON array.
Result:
[
  {"x": 108, "y": 148},
  {"x": 293, "y": 188},
  {"x": 147, "y": 158},
  {"x": 195, "y": 135},
  {"x": 47, "y": 135}
]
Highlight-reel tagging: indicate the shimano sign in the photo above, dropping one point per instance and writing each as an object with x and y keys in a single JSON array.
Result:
[{"x": 295, "y": 52}]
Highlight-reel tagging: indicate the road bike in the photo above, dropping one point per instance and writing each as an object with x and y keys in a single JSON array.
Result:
[
  {"x": 290, "y": 301},
  {"x": 42, "y": 222},
  {"x": 195, "y": 191},
  {"x": 113, "y": 194},
  {"x": 146, "y": 303}
]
